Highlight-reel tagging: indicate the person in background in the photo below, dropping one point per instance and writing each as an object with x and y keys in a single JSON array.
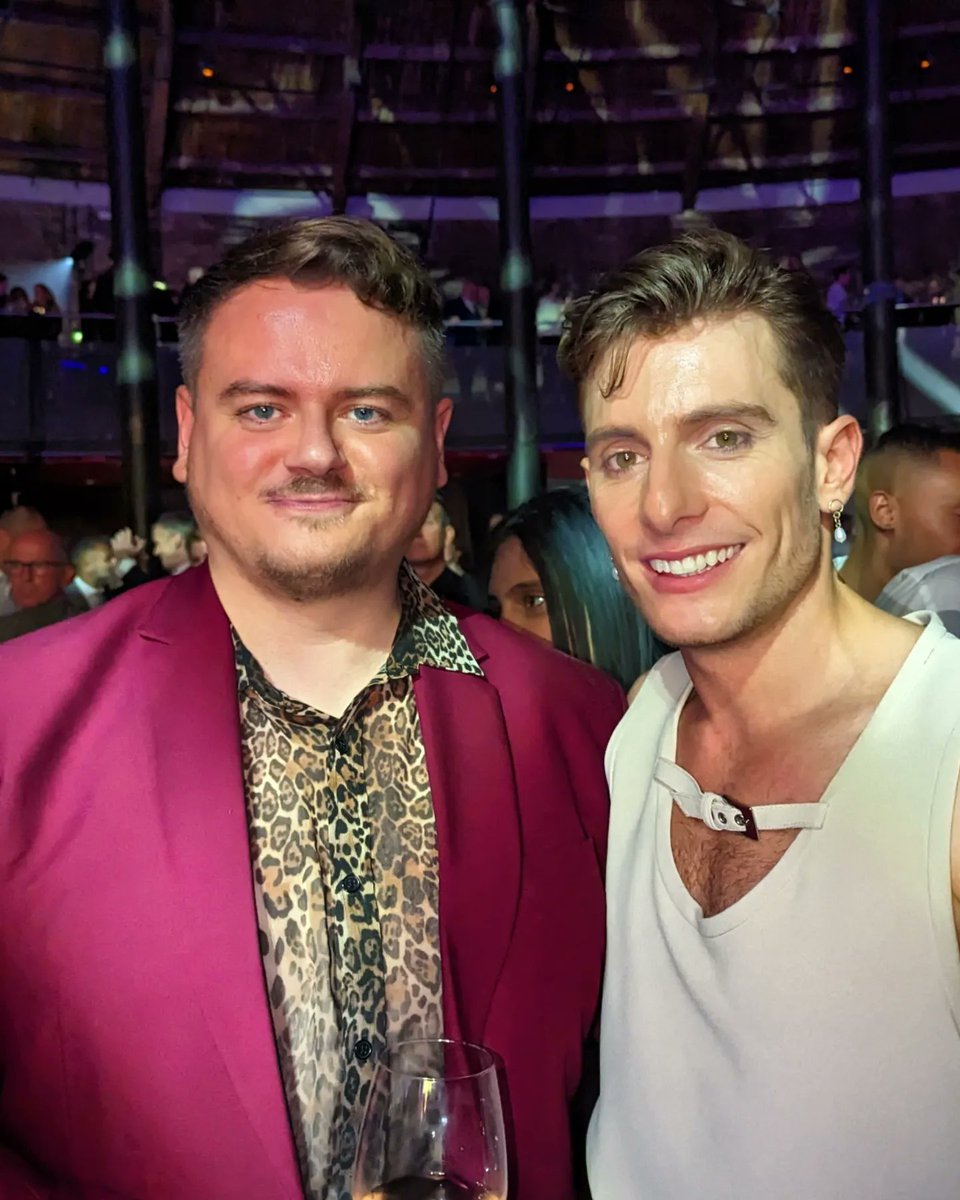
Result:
[
  {"x": 552, "y": 574},
  {"x": 14, "y": 522},
  {"x": 427, "y": 555},
  {"x": 171, "y": 535},
  {"x": 197, "y": 549},
  {"x": 550, "y": 306},
  {"x": 18, "y": 303},
  {"x": 39, "y": 573},
  {"x": 907, "y": 506},
  {"x": 44, "y": 302},
  {"x": 95, "y": 571},
  {"x": 839, "y": 299}
]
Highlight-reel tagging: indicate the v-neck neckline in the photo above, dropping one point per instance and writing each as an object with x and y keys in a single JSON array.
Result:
[{"x": 782, "y": 871}]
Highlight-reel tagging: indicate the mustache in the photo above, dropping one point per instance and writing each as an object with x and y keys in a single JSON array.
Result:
[{"x": 308, "y": 485}]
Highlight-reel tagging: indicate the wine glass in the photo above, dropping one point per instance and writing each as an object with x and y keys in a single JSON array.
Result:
[{"x": 433, "y": 1126}]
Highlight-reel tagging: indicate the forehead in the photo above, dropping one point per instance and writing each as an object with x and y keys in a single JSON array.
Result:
[
  {"x": 939, "y": 471},
  {"x": 715, "y": 362},
  {"x": 314, "y": 335},
  {"x": 512, "y": 565}
]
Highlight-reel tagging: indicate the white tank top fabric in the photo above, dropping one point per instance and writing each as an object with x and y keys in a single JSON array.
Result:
[{"x": 803, "y": 1044}]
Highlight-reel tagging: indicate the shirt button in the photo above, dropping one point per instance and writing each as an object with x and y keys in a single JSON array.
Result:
[
  {"x": 362, "y": 1050},
  {"x": 341, "y": 743},
  {"x": 351, "y": 884}
]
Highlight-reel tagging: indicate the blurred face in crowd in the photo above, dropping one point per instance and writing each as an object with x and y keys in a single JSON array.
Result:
[
  {"x": 921, "y": 514},
  {"x": 703, "y": 484},
  {"x": 429, "y": 544},
  {"x": 97, "y": 565},
  {"x": 170, "y": 547},
  {"x": 198, "y": 551},
  {"x": 38, "y": 569},
  {"x": 515, "y": 583},
  {"x": 311, "y": 448}
]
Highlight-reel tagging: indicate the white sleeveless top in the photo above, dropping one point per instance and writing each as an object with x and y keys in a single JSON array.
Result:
[{"x": 803, "y": 1044}]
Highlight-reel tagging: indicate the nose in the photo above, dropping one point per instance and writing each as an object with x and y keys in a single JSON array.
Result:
[
  {"x": 314, "y": 450},
  {"x": 671, "y": 493}
]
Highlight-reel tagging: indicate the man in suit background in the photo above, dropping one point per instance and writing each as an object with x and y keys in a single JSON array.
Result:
[
  {"x": 39, "y": 573},
  {"x": 95, "y": 567},
  {"x": 285, "y": 808}
]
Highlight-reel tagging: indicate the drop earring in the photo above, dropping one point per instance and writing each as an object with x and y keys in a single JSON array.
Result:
[
  {"x": 839, "y": 533},
  {"x": 613, "y": 571}
]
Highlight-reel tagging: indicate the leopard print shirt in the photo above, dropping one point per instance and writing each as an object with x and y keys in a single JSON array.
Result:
[{"x": 345, "y": 869}]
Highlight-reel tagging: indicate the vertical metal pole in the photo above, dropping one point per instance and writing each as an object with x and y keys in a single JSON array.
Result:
[
  {"x": 879, "y": 313},
  {"x": 520, "y": 330},
  {"x": 133, "y": 279}
]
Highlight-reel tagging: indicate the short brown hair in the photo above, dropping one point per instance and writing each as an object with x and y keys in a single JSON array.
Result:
[
  {"x": 709, "y": 275},
  {"x": 320, "y": 252}
]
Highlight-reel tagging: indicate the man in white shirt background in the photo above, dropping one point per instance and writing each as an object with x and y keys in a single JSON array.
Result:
[{"x": 907, "y": 530}]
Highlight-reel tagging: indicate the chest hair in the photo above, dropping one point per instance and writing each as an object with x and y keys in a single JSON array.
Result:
[{"x": 719, "y": 868}]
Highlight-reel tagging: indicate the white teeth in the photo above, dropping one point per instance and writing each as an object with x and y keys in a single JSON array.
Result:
[{"x": 693, "y": 564}]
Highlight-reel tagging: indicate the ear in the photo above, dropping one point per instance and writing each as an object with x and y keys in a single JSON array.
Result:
[
  {"x": 839, "y": 446},
  {"x": 884, "y": 511},
  {"x": 442, "y": 416},
  {"x": 184, "y": 432}
]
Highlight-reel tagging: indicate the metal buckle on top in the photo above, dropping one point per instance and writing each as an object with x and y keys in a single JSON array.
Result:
[{"x": 723, "y": 814}]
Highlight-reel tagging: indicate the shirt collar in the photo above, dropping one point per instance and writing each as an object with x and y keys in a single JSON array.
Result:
[{"x": 428, "y": 635}]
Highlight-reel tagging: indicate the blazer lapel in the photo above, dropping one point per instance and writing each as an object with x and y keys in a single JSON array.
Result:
[
  {"x": 200, "y": 794},
  {"x": 478, "y": 838}
]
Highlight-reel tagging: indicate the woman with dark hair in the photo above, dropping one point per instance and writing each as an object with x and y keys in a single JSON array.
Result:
[{"x": 553, "y": 577}]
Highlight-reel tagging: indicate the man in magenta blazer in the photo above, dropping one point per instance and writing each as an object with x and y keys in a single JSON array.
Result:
[{"x": 139, "y": 1053}]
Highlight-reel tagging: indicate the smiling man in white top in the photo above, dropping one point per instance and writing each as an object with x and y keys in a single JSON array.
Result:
[{"x": 783, "y": 982}]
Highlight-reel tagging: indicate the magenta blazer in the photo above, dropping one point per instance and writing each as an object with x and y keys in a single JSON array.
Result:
[{"x": 137, "y": 1057}]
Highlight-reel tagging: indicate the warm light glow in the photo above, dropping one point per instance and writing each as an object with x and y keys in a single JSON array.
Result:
[
  {"x": 569, "y": 86},
  {"x": 493, "y": 89},
  {"x": 848, "y": 70},
  {"x": 924, "y": 64},
  {"x": 206, "y": 72}
]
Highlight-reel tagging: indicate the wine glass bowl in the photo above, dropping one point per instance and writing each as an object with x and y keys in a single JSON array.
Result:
[{"x": 433, "y": 1126}]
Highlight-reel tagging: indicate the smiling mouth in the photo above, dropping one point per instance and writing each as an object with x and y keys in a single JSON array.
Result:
[{"x": 694, "y": 564}]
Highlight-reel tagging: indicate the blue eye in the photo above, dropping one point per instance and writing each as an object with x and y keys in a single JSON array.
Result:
[
  {"x": 364, "y": 414},
  {"x": 260, "y": 412}
]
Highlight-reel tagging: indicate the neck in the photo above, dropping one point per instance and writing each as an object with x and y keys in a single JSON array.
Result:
[
  {"x": 430, "y": 571},
  {"x": 320, "y": 652},
  {"x": 750, "y": 686},
  {"x": 866, "y": 570}
]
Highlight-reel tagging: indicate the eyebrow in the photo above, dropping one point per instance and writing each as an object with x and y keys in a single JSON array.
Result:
[
  {"x": 253, "y": 387},
  {"x": 699, "y": 416},
  {"x": 729, "y": 412},
  {"x": 610, "y": 433}
]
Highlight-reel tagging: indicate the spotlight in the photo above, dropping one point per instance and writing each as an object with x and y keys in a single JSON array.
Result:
[
  {"x": 76, "y": 336},
  {"x": 160, "y": 285}
]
